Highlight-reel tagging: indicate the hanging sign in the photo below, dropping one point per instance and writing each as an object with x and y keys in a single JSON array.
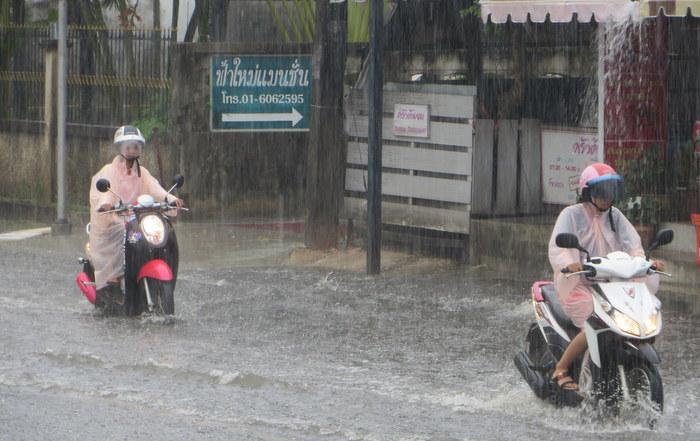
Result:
[
  {"x": 260, "y": 93},
  {"x": 411, "y": 120},
  {"x": 565, "y": 153}
]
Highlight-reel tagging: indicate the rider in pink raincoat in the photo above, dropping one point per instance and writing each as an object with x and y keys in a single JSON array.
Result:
[
  {"x": 600, "y": 229},
  {"x": 128, "y": 180}
]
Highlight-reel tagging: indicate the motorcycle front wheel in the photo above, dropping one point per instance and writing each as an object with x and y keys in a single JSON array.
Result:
[
  {"x": 639, "y": 391},
  {"x": 644, "y": 383},
  {"x": 162, "y": 295}
]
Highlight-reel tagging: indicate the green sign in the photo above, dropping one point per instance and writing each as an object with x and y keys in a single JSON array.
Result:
[{"x": 259, "y": 93}]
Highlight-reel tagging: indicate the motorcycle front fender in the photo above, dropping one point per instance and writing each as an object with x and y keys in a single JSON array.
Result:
[
  {"x": 156, "y": 269},
  {"x": 592, "y": 339},
  {"x": 646, "y": 350}
]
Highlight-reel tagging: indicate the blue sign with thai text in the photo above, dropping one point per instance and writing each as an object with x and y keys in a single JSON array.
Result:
[{"x": 257, "y": 93}]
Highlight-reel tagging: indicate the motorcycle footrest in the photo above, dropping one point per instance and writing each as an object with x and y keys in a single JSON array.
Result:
[
  {"x": 565, "y": 398},
  {"x": 537, "y": 382}
]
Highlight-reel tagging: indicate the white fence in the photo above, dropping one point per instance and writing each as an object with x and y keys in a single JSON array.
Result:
[
  {"x": 426, "y": 182},
  {"x": 507, "y": 168}
]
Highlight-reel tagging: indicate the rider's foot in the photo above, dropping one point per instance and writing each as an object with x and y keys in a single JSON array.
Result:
[
  {"x": 115, "y": 292},
  {"x": 564, "y": 381},
  {"x": 110, "y": 299}
]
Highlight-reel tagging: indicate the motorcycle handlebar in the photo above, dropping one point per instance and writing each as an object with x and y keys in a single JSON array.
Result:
[
  {"x": 591, "y": 271},
  {"x": 173, "y": 205},
  {"x": 165, "y": 206},
  {"x": 587, "y": 270},
  {"x": 653, "y": 270}
]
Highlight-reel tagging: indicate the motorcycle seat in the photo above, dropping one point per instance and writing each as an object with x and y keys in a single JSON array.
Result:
[{"x": 550, "y": 297}]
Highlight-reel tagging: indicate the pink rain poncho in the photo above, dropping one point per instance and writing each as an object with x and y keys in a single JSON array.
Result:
[
  {"x": 107, "y": 230},
  {"x": 595, "y": 234}
]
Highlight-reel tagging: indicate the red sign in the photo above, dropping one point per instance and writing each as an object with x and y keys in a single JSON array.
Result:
[{"x": 635, "y": 92}]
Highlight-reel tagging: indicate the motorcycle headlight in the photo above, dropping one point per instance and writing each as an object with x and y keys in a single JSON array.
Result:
[
  {"x": 625, "y": 323},
  {"x": 153, "y": 229},
  {"x": 651, "y": 324}
]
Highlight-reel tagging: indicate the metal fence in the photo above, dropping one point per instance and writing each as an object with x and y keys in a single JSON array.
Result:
[
  {"x": 22, "y": 72},
  {"x": 115, "y": 76}
]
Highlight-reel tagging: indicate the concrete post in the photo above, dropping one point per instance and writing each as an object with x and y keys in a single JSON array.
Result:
[
  {"x": 49, "y": 171},
  {"x": 61, "y": 226}
]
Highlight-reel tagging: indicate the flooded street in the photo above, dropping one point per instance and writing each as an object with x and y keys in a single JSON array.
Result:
[{"x": 261, "y": 350}]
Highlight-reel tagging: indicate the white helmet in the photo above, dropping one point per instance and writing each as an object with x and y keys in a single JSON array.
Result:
[{"x": 129, "y": 142}]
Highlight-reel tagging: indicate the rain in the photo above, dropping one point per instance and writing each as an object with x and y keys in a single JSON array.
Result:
[{"x": 369, "y": 192}]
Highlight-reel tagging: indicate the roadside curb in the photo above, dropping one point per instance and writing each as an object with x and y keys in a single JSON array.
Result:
[{"x": 24, "y": 234}]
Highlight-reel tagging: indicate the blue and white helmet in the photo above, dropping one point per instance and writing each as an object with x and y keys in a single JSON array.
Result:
[{"x": 129, "y": 142}]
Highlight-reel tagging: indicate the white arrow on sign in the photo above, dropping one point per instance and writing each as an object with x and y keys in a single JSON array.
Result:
[{"x": 294, "y": 117}]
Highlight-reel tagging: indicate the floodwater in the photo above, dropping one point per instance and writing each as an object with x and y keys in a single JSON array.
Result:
[{"x": 261, "y": 350}]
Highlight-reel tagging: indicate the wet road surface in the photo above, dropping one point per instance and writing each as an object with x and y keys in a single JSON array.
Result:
[{"x": 260, "y": 350}]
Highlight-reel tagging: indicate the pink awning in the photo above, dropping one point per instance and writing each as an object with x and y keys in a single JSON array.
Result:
[{"x": 563, "y": 11}]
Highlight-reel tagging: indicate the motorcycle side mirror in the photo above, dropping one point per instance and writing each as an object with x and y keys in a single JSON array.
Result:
[
  {"x": 178, "y": 181},
  {"x": 568, "y": 240},
  {"x": 102, "y": 185},
  {"x": 663, "y": 237}
]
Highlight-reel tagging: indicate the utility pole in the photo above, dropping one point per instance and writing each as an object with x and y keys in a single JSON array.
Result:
[
  {"x": 61, "y": 226},
  {"x": 325, "y": 178},
  {"x": 374, "y": 141}
]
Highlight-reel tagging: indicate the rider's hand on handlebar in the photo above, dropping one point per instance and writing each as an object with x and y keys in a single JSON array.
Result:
[
  {"x": 105, "y": 207},
  {"x": 658, "y": 265},
  {"x": 179, "y": 203},
  {"x": 574, "y": 267}
]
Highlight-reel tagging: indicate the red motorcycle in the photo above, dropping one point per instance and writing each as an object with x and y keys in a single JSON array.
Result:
[{"x": 150, "y": 258}]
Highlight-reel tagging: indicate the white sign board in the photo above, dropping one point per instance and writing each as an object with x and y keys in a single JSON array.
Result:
[
  {"x": 565, "y": 153},
  {"x": 411, "y": 120}
]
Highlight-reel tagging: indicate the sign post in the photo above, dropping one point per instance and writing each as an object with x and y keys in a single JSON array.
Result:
[
  {"x": 260, "y": 93},
  {"x": 374, "y": 138}
]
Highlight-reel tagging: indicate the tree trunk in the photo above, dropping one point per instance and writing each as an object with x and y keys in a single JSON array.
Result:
[
  {"x": 203, "y": 18},
  {"x": 327, "y": 143},
  {"x": 91, "y": 13},
  {"x": 198, "y": 21},
  {"x": 175, "y": 18},
  {"x": 194, "y": 21}
]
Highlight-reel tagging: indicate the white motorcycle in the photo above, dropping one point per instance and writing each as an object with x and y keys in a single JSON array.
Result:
[{"x": 620, "y": 363}]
